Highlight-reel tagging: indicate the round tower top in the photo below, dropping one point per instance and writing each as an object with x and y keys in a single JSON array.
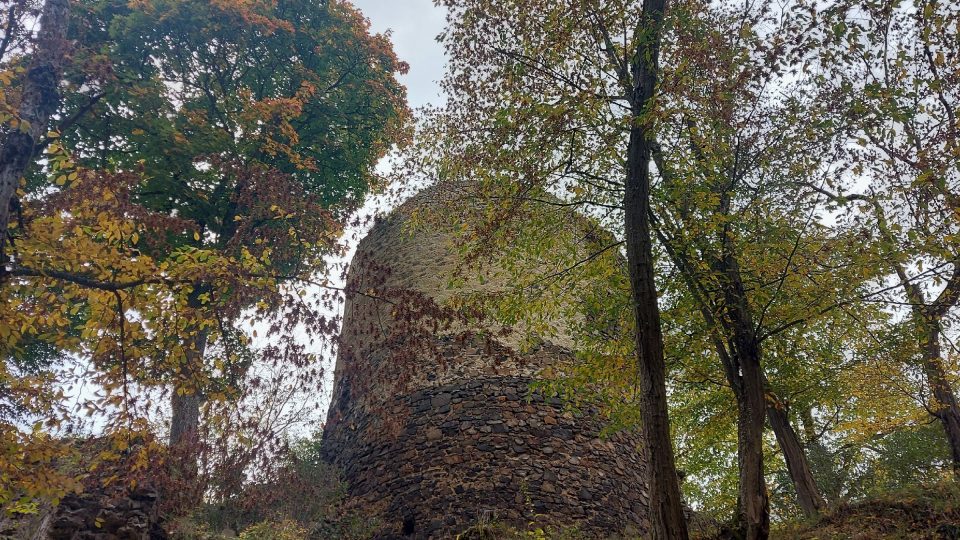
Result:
[{"x": 402, "y": 280}]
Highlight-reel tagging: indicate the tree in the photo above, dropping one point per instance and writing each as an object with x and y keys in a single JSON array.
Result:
[
  {"x": 891, "y": 69},
  {"x": 199, "y": 176},
  {"x": 38, "y": 101},
  {"x": 315, "y": 125},
  {"x": 721, "y": 138},
  {"x": 727, "y": 148},
  {"x": 525, "y": 76},
  {"x": 666, "y": 504}
]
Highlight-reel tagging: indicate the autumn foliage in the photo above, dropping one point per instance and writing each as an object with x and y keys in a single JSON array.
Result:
[
  {"x": 769, "y": 192},
  {"x": 200, "y": 169}
]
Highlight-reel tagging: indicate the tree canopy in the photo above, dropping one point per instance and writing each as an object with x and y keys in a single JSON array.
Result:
[
  {"x": 746, "y": 214},
  {"x": 199, "y": 171}
]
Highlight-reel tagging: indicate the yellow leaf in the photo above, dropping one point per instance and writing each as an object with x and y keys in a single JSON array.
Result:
[{"x": 196, "y": 235}]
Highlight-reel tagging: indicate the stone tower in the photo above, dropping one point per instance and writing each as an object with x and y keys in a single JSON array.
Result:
[{"x": 449, "y": 435}]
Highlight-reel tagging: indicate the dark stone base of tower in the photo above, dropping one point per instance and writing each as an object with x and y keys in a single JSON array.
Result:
[
  {"x": 435, "y": 462},
  {"x": 435, "y": 428}
]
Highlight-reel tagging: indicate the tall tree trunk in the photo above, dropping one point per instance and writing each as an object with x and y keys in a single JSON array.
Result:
[
  {"x": 755, "y": 509},
  {"x": 185, "y": 417},
  {"x": 666, "y": 505},
  {"x": 186, "y": 399},
  {"x": 38, "y": 102},
  {"x": 808, "y": 493},
  {"x": 944, "y": 405},
  {"x": 667, "y": 519},
  {"x": 751, "y": 408}
]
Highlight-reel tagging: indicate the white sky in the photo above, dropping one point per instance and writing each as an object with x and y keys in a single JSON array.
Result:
[{"x": 414, "y": 25}]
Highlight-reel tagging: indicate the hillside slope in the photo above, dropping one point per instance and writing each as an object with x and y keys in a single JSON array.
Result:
[{"x": 931, "y": 513}]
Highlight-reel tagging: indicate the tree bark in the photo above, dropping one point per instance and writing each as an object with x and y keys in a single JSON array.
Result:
[
  {"x": 808, "y": 493},
  {"x": 944, "y": 405},
  {"x": 186, "y": 400},
  {"x": 38, "y": 102},
  {"x": 754, "y": 508},
  {"x": 185, "y": 417},
  {"x": 667, "y": 519}
]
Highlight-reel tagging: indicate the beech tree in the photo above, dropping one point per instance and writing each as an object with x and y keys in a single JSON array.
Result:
[
  {"x": 198, "y": 175},
  {"x": 244, "y": 126}
]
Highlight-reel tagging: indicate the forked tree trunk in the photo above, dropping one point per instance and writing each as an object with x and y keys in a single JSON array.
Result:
[
  {"x": 39, "y": 100},
  {"x": 801, "y": 475},
  {"x": 797, "y": 462},
  {"x": 754, "y": 508},
  {"x": 667, "y": 519}
]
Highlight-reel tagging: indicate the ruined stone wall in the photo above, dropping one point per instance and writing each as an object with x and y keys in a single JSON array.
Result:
[
  {"x": 133, "y": 515},
  {"x": 439, "y": 439}
]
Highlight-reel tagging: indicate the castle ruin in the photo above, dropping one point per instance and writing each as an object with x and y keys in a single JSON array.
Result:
[{"x": 437, "y": 429}]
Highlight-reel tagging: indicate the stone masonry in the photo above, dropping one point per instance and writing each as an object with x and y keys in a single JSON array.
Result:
[{"x": 455, "y": 433}]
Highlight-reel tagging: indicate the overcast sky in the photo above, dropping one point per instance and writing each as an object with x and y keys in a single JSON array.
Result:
[{"x": 414, "y": 25}]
